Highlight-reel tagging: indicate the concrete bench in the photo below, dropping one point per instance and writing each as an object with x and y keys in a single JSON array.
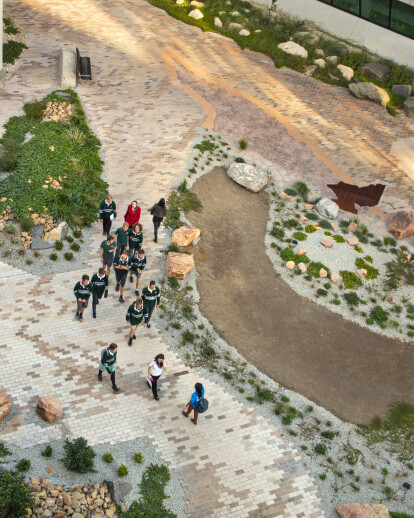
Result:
[{"x": 67, "y": 69}]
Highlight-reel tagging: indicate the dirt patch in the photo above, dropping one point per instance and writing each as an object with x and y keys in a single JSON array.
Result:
[{"x": 347, "y": 369}]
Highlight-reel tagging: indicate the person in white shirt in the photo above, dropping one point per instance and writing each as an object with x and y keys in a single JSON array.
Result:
[{"x": 155, "y": 369}]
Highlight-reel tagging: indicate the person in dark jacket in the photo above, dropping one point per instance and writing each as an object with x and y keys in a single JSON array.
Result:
[
  {"x": 135, "y": 315},
  {"x": 135, "y": 238},
  {"x": 82, "y": 291},
  {"x": 122, "y": 234},
  {"x": 132, "y": 214},
  {"x": 122, "y": 265},
  {"x": 99, "y": 288},
  {"x": 138, "y": 263},
  {"x": 151, "y": 296},
  {"x": 107, "y": 363},
  {"x": 107, "y": 253},
  {"x": 107, "y": 213},
  {"x": 158, "y": 211},
  {"x": 193, "y": 403}
]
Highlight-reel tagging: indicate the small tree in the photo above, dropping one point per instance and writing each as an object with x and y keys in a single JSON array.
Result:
[
  {"x": 15, "y": 496},
  {"x": 78, "y": 456}
]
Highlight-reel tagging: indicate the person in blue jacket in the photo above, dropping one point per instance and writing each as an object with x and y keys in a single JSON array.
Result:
[{"x": 194, "y": 401}]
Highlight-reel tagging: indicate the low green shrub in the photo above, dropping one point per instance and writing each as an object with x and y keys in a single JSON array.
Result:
[
  {"x": 176, "y": 325},
  {"x": 26, "y": 223},
  {"x": 12, "y": 50},
  {"x": 78, "y": 456},
  {"x": 300, "y": 236},
  {"x": 188, "y": 336},
  {"x": 75, "y": 247},
  {"x": 208, "y": 351},
  {"x": 69, "y": 239},
  {"x": 310, "y": 229},
  {"x": 328, "y": 434},
  {"x": 23, "y": 465},
  {"x": 337, "y": 302},
  {"x": 239, "y": 160},
  {"x": 9, "y": 27},
  {"x": 68, "y": 256},
  {"x": 390, "y": 241},
  {"x": 372, "y": 273},
  {"x": 312, "y": 216},
  {"x": 35, "y": 109},
  {"x": 53, "y": 256},
  {"x": 287, "y": 254},
  {"x": 122, "y": 471},
  {"x": 379, "y": 315},
  {"x": 16, "y": 497},
  {"x": 138, "y": 457},
  {"x": 324, "y": 223},
  {"x": 301, "y": 188},
  {"x": 339, "y": 239},
  {"x": 315, "y": 267},
  {"x": 291, "y": 223},
  {"x": 352, "y": 298},
  {"x": 277, "y": 232},
  {"x": 285, "y": 399},
  {"x": 350, "y": 279},
  {"x": 321, "y": 292},
  {"x": 10, "y": 229},
  {"x": 368, "y": 259},
  {"x": 358, "y": 249},
  {"x": 320, "y": 449},
  {"x": 47, "y": 452},
  {"x": 108, "y": 458},
  {"x": 290, "y": 192},
  {"x": 59, "y": 245},
  {"x": 77, "y": 233},
  {"x": 242, "y": 144}
]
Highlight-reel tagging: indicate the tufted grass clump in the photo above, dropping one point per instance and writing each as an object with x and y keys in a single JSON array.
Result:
[
  {"x": 122, "y": 471},
  {"x": 68, "y": 256},
  {"x": 379, "y": 315},
  {"x": 350, "y": 279},
  {"x": 138, "y": 457},
  {"x": 300, "y": 236},
  {"x": 23, "y": 465},
  {"x": 47, "y": 452},
  {"x": 59, "y": 245},
  {"x": 242, "y": 144},
  {"x": 310, "y": 229},
  {"x": 301, "y": 188},
  {"x": 352, "y": 298},
  {"x": 108, "y": 458}
]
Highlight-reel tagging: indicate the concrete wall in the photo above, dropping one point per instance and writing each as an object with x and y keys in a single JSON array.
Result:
[{"x": 346, "y": 26}]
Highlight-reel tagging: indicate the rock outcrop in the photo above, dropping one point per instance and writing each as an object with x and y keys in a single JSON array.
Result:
[{"x": 178, "y": 265}]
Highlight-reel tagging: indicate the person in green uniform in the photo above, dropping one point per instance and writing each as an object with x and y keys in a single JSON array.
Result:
[
  {"x": 107, "y": 253},
  {"x": 138, "y": 263},
  {"x": 135, "y": 238},
  {"x": 151, "y": 296},
  {"x": 121, "y": 239},
  {"x": 99, "y": 287},
  {"x": 122, "y": 265},
  {"x": 82, "y": 291},
  {"x": 135, "y": 315},
  {"x": 107, "y": 213},
  {"x": 107, "y": 364}
]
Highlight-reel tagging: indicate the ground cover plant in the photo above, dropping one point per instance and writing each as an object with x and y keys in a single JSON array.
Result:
[{"x": 52, "y": 173}]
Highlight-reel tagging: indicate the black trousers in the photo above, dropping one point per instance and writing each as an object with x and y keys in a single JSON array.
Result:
[
  {"x": 112, "y": 378},
  {"x": 150, "y": 312},
  {"x": 119, "y": 250},
  {"x": 157, "y": 222},
  {"x": 106, "y": 225},
  {"x": 95, "y": 300},
  {"x": 154, "y": 385}
]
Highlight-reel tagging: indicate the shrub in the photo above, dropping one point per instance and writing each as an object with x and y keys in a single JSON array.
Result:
[
  {"x": 328, "y": 434},
  {"x": 138, "y": 457},
  {"x": 400, "y": 75},
  {"x": 291, "y": 223},
  {"x": 320, "y": 449},
  {"x": 176, "y": 325},
  {"x": 285, "y": 399},
  {"x": 339, "y": 239},
  {"x": 378, "y": 314},
  {"x": 242, "y": 144},
  {"x": 69, "y": 239},
  {"x": 300, "y": 236},
  {"x": 315, "y": 267},
  {"x": 312, "y": 216},
  {"x": 53, "y": 256},
  {"x": 390, "y": 241},
  {"x": 368, "y": 259},
  {"x": 355, "y": 60},
  {"x": 35, "y": 109},
  {"x": 290, "y": 192},
  {"x": 337, "y": 302},
  {"x": 16, "y": 498},
  {"x": 173, "y": 283},
  {"x": 59, "y": 245},
  {"x": 279, "y": 233},
  {"x": 352, "y": 298},
  {"x": 240, "y": 160},
  {"x": 77, "y": 233},
  {"x": 287, "y": 254},
  {"x": 328, "y": 233},
  {"x": 208, "y": 351},
  {"x": 122, "y": 471},
  {"x": 9, "y": 27},
  {"x": 8, "y": 159},
  {"x": 75, "y": 247},
  {"x": 372, "y": 273},
  {"x": 350, "y": 279},
  {"x": 324, "y": 223},
  {"x": 68, "y": 256},
  {"x": 188, "y": 336},
  {"x": 23, "y": 465},
  {"x": 78, "y": 456},
  {"x": 108, "y": 458},
  {"x": 301, "y": 188},
  {"x": 310, "y": 229},
  {"x": 399, "y": 271},
  {"x": 10, "y": 229},
  {"x": 322, "y": 293},
  {"x": 26, "y": 223},
  {"x": 12, "y": 50},
  {"x": 358, "y": 249},
  {"x": 47, "y": 452}
]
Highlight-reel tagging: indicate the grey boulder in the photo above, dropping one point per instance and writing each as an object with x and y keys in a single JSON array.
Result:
[
  {"x": 37, "y": 231},
  {"x": 376, "y": 71},
  {"x": 118, "y": 490},
  {"x": 327, "y": 208},
  {"x": 369, "y": 91},
  {"x": 409, "y": 107},
  {"x": 405, "y": 90},
  {"x": 39, "y": 244},
  {"x": 248, "y": 176},
  {"x": 313, "y": 196}
]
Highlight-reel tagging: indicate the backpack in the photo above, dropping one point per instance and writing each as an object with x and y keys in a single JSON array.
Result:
[{"x": 202, "y": 405}]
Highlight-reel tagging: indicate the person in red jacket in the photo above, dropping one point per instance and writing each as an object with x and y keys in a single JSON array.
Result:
[{"x": 132, "y": 214}]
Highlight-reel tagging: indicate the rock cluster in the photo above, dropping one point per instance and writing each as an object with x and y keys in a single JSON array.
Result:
[
  {"x": 57, "y": 112},
  {"x": 77, "y": 501}
]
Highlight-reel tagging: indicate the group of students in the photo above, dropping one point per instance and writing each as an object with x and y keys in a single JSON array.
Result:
[{"x": 197, "y": 404}]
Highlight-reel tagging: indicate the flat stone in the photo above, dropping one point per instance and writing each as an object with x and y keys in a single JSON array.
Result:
[
  {"x": 49, "y": 409},
  {"x": 235, "y": 13},
  {"x": 327, "y": 208},
  {"x": 196, "y": 14},
  {"x": 405, "y": 90},
  {"x": 353, "y": 227},
  {"x": 326, "y": 243},
  {"x": 185, "y": 235},
  {"x": 248, "y": 176},
  {"x": 376, "y": 71},
  {"x": 401, "y": 224},
  {"x": 409, "y": 107},
  {"x": 40, "y": 244},
  {"x": 5, "y": 405},
  {"x": 352, "y": 241},
  {"x": 118, "y": 490},
  {"x": 323, "y": 273},
  {"x": 313, "y": 196},
  {"x": 235, "y": 26},
  {"x": 244, "y": 32},
  {"x": 178, "y": 265},
  {"x": 302, "y": 251},
  {"x": 320, "y": 52},
  {"x": 332, "y": 59},
  {"x": 308, "y": 206},
  {"x": 321, "y": 63},
  {"x": 304, "y": 219},
  {"x": 290, "y": 47},
  {"x": 334, "y": 277},
  {"x": 346, "y": 72},
  {"x": 362, "y": 272},
  {"x": 195, "y": 3},
  {"x": 218, "y": 22},
  {"x": 310, "y": 69},
  {"x": 283, "y": 195},
  {"x": 67, "y": 68},
  {"x": 362, "y": 511},
  {"x": 370, "y": 91},
  {"x": 302, "y": 267},
  {"x": 290, "y": 265}
]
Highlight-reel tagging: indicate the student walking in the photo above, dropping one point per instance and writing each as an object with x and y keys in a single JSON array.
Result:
[
  {"x": 122, "y": 265},
  {"x": 135, "y": 314},
  {"x": 107, "y": 213},
  {"x": 158, "y": 212},
  {"x": 197, "y": 403},
  {"x": 99, "y": 287},
  {"x": 135, "y": 238},
  {"x": 151, "y": 296},
  {"x": 107, "y": 253},
  {"x": 155, "y": 369},
  {"x": 82, "y": 291},
  {"x": 107, "y": 363},
  {"x": 122, "y": 234},
  {"x": 132, "y": 214},
  {"x": 138, "y": 263}
]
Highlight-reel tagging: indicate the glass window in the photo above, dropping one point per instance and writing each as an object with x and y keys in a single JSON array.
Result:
[
  {"x": 376, "y": 10},
  {"x": 351, "y": 6},
  {"x": 402, "y": 18}
]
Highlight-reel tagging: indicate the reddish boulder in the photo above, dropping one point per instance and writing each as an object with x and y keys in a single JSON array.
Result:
[
  {"x": 183, "y": 236},
  {"x": 178, "y": 265},
  {"x": 362, "y": 511},
  {"x": 49, "y": 409},
  {"x": 401, "y": 224},
  {"x": 5, "y": 405}
]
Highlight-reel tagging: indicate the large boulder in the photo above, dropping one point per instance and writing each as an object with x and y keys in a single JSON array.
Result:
[
  {"x": 369, "y": 91},
  {"x": 178, "y": 265},
  {"x": 5, "y": 405},
  {"x": 405, "y": 90},
  {"x": 248, "y": 176},
  {"x": 183, "y": 236},
  {"x": 409, "y": 107},
  {"x": 327, "y": 208},
  {"x": 118, "y": 490},
  {"x": 401, "y": 224},
  {"x": 196, "y": 14},
  {"x": 362, "y": 511},
  {"x": 49, "y": 409},
  {"x": 57, "y": 233},
  {"x": 313, "y": 196},
  {"x": 346, "y": 72},
  {"x": 290, "y": 47},
  {"x": 40, "y": 244},
  {"x": 376, "y": 71}
]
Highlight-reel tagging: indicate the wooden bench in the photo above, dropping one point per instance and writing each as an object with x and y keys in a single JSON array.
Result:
[{"x": 83, "y": 66}]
